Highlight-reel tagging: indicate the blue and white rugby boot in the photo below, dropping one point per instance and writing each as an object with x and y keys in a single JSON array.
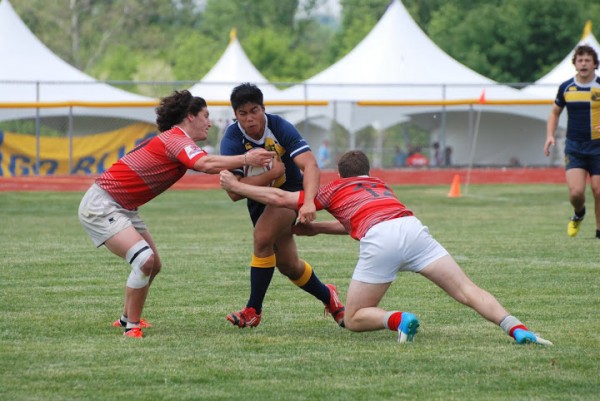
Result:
[
  {"x": 526, "y": 337},
  {"x": 409, "y": 325}
]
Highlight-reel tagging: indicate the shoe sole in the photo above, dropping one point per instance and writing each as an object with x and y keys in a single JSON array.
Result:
[
  {"x": 408, "y": 328},
  {"x": 542, "y": 341}
]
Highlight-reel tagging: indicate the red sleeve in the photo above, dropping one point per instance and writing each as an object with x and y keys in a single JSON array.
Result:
[
  {"x": 182, "y": 148},
  {"x": 300, "y": 200},
  {"x": 190, "y": 154},
  {"x": 318, "y": 204}
]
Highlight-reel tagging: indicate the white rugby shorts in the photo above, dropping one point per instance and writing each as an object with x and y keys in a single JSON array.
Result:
[
  {"x": 402, "y": 244},
  {"x": 102, "y": 217}
]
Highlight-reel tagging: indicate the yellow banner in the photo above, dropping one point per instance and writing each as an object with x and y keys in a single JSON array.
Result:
[{"x": 91, "y": 154}]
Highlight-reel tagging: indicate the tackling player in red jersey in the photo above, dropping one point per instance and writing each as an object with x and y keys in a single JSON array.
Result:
[
  {"x": 392, "y": 240},
  {"x": 109, "y": 209}
]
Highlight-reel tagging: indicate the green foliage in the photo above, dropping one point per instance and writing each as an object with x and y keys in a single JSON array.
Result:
[
  {"x": 358, "y": 18},
  {"x": 282, "y": 49},
  {"x": 506, "y": 40},
  {"x": 423, "y": 10},
  {"x": 193, "y": 55},
  {"x": 59, "y": 296},
  {"x": 119, "y": 63},
  {"x": 270, "y": 52},
  {"x": 248, "y": 15}
]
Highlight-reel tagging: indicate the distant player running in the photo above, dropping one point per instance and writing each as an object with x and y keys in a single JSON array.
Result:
[
  {"x": 581, "y": 96},
  {"x": 391, "y": 239},
  {"x": 109, "y": 209}
]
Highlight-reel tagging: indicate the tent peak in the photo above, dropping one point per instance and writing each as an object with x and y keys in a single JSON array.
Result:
[{"x": 587, "y": 29}]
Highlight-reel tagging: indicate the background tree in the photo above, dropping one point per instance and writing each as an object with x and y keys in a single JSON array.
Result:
[
  {"x": 284, "y": 41},
  {"x": 508, "y": 41},
  {"x": 358, "y": 18},
  {"x": 159, "y": 40}
]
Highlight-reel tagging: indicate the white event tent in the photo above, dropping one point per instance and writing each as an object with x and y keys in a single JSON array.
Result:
[
  {"x": 396, "y": 61},
  {"x": 233, "y": 68},
  {"x": 30, "y": 72}
]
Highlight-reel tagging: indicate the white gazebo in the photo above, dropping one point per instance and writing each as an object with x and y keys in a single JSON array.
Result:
[
  {"x": 233, "y": 68},
  {"x": 397, "y": 62},
  {"x": 30, "y": 72}
]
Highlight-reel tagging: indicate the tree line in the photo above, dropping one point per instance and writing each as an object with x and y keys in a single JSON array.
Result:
[{"x": 508, "y": 41}]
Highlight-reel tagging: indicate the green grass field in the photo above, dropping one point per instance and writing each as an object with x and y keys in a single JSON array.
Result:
[{"x": 59, "y": 296}]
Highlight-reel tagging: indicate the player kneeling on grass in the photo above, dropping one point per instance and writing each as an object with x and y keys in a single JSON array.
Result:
[
  {"x": 391, "y": 239},
  {"x": 109, "y": 209}
]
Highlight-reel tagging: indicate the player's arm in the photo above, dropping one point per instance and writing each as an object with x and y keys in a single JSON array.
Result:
[
  {"x": 320, "y": 227},
  {"x": 213, "y": 164},
  {"x": 551, "y": 127},
  {"x": 265, "y": 195},
  {"x": 308, "y": 164}
]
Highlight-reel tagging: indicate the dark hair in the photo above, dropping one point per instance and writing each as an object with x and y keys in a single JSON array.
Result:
[
  {"x": 245, "y": 93},
  {"x": 585, "y": 49},
  {"x": 174, "y": 108},
  {"x": 353, "y": 163}
]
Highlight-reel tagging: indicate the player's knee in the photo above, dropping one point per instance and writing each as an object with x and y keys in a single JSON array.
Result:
[
  {"x": 576, "y": 193},
  {"x": 141, "y": 258},
  {"x": 149, "y": 266},
  {"x": 263, "y": 239},
  {"x": 156, "y": 265},
  {"x": 350, "y": 323}
]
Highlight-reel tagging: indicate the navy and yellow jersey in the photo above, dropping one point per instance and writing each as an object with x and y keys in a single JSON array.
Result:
[
  {"x": 583, "y": 108},
  {"x": 282, "y": 137}
]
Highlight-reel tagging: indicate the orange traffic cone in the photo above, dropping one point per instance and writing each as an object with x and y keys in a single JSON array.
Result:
[{"x": 455, "y": 187}]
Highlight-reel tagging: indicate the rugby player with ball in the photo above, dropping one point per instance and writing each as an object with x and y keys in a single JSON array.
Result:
[{"x": 295, "y": 168}]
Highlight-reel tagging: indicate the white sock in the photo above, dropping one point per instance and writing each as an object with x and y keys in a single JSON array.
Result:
[
  {"x": 386, "y": 318},
  {"x": 509, "y": 322},
  {"x": 131, "y": 325}
]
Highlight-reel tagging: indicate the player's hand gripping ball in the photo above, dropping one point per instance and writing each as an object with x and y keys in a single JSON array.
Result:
[{"x": 251, "y": 171}]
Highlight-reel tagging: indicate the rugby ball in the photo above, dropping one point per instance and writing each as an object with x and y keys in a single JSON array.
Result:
[{"x": 251, "y": 171}]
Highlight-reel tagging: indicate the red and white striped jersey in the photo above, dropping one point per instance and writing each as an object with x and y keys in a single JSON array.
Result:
[
  {"x": 151, "y": 168},
  {"x": 359, "y": 203}
]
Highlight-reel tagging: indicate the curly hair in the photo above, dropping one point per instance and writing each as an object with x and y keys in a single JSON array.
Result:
[
  {"x": 585, "y": 49},
  {"x": 353, "y": 163},
  {"x": 174, "y": 108},
  {"x": 246, "y": 93}
]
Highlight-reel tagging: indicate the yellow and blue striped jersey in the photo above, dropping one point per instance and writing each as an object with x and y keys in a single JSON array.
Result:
[{"x": 583, "y": 108}]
